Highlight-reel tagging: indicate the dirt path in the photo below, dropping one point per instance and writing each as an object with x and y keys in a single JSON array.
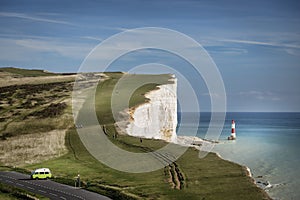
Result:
[{"x": 176, "y": 177}]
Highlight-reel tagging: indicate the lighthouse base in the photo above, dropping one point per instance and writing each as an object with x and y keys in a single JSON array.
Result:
[{"x": 231, "y": 138}]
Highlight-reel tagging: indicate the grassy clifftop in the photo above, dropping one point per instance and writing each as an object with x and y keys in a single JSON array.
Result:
[
  {"x": 141, "y": 84},
  {"x": 26, "y": 72},
  {"x": 14, "y": 76}
]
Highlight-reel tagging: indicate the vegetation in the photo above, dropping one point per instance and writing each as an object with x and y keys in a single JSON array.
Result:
[
  {"x": 26, "y": 72},
  {"x": 34, "y": 112},
  {"x": 106, "y": 90},
  {"x": 187, "y": 178},
  {"x": 208, "y": 178},
  {"x": 53, "y": 110},
  {"x": 13, "y": 76},
  {"x": 22, "y": 105}
]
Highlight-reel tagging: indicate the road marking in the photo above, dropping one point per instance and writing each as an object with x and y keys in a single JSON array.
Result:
[
  {"x": 53, "y": 194},
  {"x": 79, "y": 197},
  {"x": 38, "y": 186}
]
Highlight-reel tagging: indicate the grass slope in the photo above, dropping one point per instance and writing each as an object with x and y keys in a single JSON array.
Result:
[
  {"x": 26, "y": 72},
  {"x": 208, "y": 178},
  {"x": 194, "y": 178},
  {"x": 106, "y": 90},
  {"x": 33, "y": 112}
]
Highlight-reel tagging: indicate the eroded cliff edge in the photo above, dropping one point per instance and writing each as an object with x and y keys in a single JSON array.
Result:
[{"x": 157, "y": 117}]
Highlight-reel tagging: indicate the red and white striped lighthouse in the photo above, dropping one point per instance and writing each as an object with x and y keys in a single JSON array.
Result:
[
  {"x": 233, "y": 129},
  {"x": 233, "y": 135}
]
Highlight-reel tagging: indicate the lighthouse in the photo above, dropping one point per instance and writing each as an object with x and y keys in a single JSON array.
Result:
[{"x": 232, "y": 136}]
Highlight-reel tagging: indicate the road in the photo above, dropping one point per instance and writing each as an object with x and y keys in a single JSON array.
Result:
[{"x": 47, "y": 188}]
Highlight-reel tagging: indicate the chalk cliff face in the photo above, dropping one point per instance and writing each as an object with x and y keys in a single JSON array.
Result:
[{"x": 158, "y": 118}]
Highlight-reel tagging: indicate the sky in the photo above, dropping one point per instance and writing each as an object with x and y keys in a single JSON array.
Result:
[{"x": 254, "y": 44}]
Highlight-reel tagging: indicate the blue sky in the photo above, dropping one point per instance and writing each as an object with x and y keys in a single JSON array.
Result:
[{"x": 255, "y": 44}]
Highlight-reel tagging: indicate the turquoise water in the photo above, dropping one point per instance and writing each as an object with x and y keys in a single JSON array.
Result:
[{"x": 268, "y": 143}]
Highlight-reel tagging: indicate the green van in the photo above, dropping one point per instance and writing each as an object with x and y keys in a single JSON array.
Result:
[{"x": 42, "y": 173}]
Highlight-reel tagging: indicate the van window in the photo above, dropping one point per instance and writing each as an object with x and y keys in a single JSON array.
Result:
[
  {"x": 46, "y": 172},
  {"x": 42, "y": 172}
]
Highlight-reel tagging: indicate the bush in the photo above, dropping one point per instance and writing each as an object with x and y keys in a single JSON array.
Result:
[{"x": 53, "y": 110}]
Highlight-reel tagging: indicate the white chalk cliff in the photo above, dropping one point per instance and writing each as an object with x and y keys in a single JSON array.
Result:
[{"x": 157, "y": 118}]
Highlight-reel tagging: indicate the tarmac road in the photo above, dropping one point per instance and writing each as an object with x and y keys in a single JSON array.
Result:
[{"x": 48, "y": 188}]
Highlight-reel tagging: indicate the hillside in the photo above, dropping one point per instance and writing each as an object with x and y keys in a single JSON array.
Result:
[
  {"x": 15, "y": 76},
  {"x": 34, "y": 112},
  {"x": 26, "y": 72},
  {"x": 44, "y": 110}
]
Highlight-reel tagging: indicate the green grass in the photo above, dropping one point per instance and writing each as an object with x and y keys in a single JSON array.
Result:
[
  {"x": 207, "y": 178},
  {"x": 30, "y": 126},
  {"x": 26, "y": 72},
  {"x": 106, "y": 90},
  {"x": 78, "y": 160}
]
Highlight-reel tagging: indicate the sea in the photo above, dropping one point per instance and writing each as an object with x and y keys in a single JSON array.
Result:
[{"x": 267, "y": 143}]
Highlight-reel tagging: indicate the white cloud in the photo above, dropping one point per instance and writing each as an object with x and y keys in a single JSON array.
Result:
[
  {"x": 62, "y": 48},
  {"x": 229, "y": 51},
  {"x": 287, "y": 41},
  {"x": 120, "y": 28},
  {"x": 92, "y": 38},
  {"x": 260, "y": 95},
  {"x": 24, "y": 49},
  {"x": 274, "y": 44},
  {"x": 33, "y": 18},
  {"x": 295, "y": 52}
]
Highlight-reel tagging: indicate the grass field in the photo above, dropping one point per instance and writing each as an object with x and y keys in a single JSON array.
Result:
[
  {"x": 208, "y": 178},
  {"x": 26, "y": 73},
  {"x": 187, "y": 178},
  {"x": 33, "y": 112},
  {"x": 14, "y": 76}
]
